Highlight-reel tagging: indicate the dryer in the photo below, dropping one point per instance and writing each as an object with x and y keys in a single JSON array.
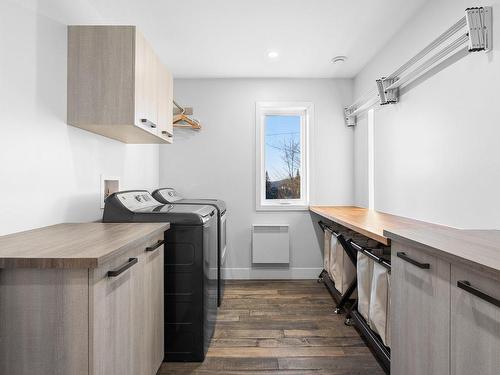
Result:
[
  {"x": 169, "y": 195},
  {"x": 190, "y": 283}
]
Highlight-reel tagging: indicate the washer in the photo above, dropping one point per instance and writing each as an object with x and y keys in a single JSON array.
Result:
[
  {"x": 169, "y": 195},
  {"x": 190, "y": 282}
]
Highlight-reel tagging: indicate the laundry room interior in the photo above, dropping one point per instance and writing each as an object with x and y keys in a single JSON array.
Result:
[{"x": 271, "y": 187}]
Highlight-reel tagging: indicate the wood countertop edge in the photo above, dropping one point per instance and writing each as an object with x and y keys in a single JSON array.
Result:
[
  {"x": 110, "y": 256},
  {"x": 446, "y": 255},
  {"x": 77, "y": 263},
  {"x": 393, "y": 233},
  {"x": 375, "y": 236}
]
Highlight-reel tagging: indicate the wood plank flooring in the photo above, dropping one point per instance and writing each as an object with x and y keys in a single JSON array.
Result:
[{"x": 280, "y": 327}]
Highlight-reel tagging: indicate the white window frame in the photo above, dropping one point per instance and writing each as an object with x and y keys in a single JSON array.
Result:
[{"x": 306, "y": 111}]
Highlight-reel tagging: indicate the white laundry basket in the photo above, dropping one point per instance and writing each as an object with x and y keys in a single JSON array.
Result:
[
  {"x": 380, "y": 303},
  {"x": 326, "y": 250},
  {"x": 365, "y": 274},
  {"x": 341, "y": 269}
]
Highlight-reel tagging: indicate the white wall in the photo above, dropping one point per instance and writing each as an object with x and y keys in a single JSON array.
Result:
[
  {"x": 361, "y": 162},
  {"x": 219, "y": 161},
  {"x": 436, "y": 152},
  {"x": 50, "y": 172}
]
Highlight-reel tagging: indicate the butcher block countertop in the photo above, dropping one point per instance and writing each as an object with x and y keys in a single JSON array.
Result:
[
  {"x": 369, "y": 223},
  {"x": 74, "y": 245},
  {"x": 479, "y": 249}
]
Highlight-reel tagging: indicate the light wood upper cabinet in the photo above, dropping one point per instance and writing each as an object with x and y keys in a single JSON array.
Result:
[{"x": 114, "y": 85}]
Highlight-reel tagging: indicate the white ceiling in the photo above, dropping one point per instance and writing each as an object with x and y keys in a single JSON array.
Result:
[{"x": 231, "y": 38}]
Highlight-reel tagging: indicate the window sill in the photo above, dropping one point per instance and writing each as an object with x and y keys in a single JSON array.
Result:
[{"x": 283, "y": 207}]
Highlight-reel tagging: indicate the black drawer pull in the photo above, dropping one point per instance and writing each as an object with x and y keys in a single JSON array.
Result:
[
  {"x": 424, "y": 266},
  {"x": 155, "y": 246},
  {"x": 465, "y": 285},
  {"x": 126, "y": 266}
]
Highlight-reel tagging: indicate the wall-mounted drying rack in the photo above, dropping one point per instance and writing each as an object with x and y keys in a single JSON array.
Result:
[
  {"x": 477, "y": 34},
  {"x": 353, "y": 317},
  {"x": 181, "y": 118}
]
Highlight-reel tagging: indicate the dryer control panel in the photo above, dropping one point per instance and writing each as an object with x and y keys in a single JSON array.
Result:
[
  {"x": 170, "y": 195},
  {"x": 136, "y": 200}
]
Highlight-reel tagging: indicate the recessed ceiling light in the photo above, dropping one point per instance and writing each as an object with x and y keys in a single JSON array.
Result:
[
  {"x": 273, "y": 54},
  {"x": 338, "y": 59}
]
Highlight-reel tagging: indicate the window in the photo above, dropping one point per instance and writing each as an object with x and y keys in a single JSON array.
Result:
[{"x": 282, "y": 138}]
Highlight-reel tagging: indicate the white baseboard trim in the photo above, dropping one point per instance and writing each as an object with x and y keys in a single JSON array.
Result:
[{"x": 271, "y": 273}]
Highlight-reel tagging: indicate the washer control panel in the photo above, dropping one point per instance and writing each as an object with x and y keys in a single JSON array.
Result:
[
  {"x": 135, "y": 200},
  {"x": 170, "y": 195}
]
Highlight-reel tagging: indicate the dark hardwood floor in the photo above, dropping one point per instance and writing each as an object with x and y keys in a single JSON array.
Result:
[{"x": 281, "y": 327}]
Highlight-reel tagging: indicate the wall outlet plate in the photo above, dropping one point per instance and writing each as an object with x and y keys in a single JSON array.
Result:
[{"x": 109, "y": 185}]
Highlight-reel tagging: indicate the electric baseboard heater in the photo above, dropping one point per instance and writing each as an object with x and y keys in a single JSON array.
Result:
[
  {"x": 270, "y": 244},
  {"x": 477, "y": 31}
]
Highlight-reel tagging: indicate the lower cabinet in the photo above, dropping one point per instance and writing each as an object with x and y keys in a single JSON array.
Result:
[
  {"x": 475, "y": 323},
  {"x": 102, "y": 321},
  {"x": 445, "y": 316},
  {"x": 155, "y": 350},
  {"x": 127, "y": 320},
  {"x": 420, "y": 300}
]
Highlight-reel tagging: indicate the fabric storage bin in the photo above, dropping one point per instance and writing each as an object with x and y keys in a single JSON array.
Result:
[
  {"x": 365, "y": 274},
  {"x": 379, "y": 303},
  {"x": 326, "y": 249},
  {"x": 342, "y": 271},
  {"x": 388, "y": 323}
]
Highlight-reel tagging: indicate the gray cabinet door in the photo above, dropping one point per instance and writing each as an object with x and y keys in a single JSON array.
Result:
[
  {"x": 420, "y": 305},
  {"x": 475, "y": 324},
  {"x": 165, "y": 102},
  {"x": 154, "y": 310},
  {"x": 146, "y": 85},
  {"x": 147, "y": 311},
  {"x": 112, "y": 319}
]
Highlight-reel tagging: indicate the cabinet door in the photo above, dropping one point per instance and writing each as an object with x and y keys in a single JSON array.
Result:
[
  {"x": 420, "y": 307},
  {"x": 146, "y": 87},
  {"x": 475, "y": 323},
  {"x": 111, "y": 318},
  {"x": 100, "y": 76},
  {"x": 165, "y": 103},
  {"x": 154, "y": 307},
  {"x": 138, "y": 349}
]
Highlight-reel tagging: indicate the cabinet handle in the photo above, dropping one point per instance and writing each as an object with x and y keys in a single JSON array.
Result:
[
  {"x": 126, "y": 266},
  {"x": 147, "y": 122},
  {"x": 465, "y": 285},
  {"x": 164, "y": 132},
  {"x": 155, "y": 246},
  {"x": 402, "y": 255}
]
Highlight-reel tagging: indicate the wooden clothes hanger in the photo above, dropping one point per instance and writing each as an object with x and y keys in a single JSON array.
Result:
[{"x": 182, "y": 117}]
